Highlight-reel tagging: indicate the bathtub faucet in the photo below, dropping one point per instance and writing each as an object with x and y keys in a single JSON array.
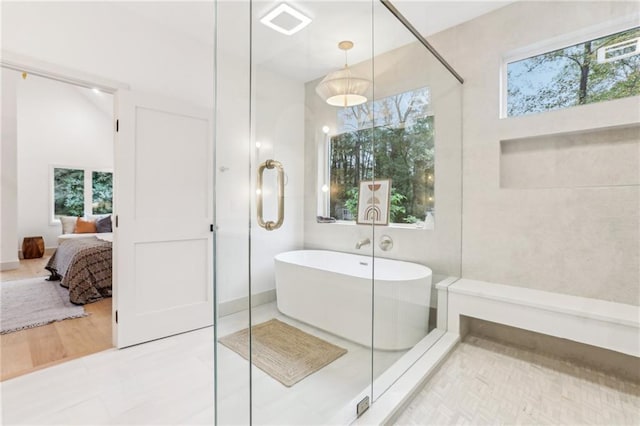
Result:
[{"x": 364, "y": 242}]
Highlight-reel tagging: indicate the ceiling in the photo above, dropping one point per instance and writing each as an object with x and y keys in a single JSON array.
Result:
[
  {"x": 196, "y": 19},
  {"x": 168, "y": 46},
  {"x": 313, "y": 51}
]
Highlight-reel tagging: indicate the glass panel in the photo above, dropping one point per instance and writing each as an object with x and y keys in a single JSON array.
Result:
[
  {"x": 232, "y": 205},
  {"x": 323, "y": 328},
  {"x": 418, "y": 145},
  {"x": 68, "y": 192},
  {"x": 102, "y": 190},
  {"x": 360, "y": 174}
]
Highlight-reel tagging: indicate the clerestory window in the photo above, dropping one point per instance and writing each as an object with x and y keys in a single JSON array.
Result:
[{"x": 596, "y": 70}]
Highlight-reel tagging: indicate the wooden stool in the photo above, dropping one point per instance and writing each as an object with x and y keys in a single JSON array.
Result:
[{"x": 32, "y": 247}]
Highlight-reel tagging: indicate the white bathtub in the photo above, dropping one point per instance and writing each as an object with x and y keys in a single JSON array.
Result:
[{"x": 333, "y": 291}]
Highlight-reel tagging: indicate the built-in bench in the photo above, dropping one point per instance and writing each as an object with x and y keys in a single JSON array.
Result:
[{"x": 609, "y": 325}]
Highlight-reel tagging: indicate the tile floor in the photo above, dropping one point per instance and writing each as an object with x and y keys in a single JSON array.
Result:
[
  {"x": 170, "y": 381},
  {"x": 484, "y": 382}
]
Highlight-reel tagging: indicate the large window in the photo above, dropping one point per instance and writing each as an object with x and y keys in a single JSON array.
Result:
[
  {"x": 81, "y": 192},
  {"x": 390, "y": 138},
  {"x": 597, "y": 70}
]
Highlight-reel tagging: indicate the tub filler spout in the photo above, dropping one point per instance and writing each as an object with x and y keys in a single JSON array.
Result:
[{"x": 364, "y": 242}]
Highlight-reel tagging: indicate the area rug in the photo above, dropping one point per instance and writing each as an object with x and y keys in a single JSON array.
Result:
[
  {"x": 284, "y": 352},
  {"x": 34, "y": 302}
]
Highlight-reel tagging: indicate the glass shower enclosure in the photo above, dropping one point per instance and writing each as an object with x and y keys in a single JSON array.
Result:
[{"x": 338, "y": 206}]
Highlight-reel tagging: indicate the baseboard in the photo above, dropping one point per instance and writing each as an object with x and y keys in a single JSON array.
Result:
[
  {"x": 9, "y": 265},
  {"x": 242, "y": 303}
]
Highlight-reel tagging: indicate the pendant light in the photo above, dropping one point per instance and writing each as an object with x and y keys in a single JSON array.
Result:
[{"x": 341, "y": 88}]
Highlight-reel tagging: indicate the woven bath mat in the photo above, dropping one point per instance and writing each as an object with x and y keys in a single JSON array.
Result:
[{"x": 284, "y": 352}]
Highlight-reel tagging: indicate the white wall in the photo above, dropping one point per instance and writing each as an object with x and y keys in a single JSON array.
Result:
[
  {"x": 58, "y": 124},
  {"x": 578, "y": 235},
  {"x": 279, "y": 127},
  {"x": 9, "y": 170}
]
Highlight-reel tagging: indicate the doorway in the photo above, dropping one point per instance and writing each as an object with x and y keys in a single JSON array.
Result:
[{"x": 64, "y": 169}]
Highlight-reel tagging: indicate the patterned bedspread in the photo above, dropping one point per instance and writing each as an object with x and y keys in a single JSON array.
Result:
[{"x": 85, "y": 266}]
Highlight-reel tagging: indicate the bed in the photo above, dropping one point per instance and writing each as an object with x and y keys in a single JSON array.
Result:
[{"x": 84, "y": 266}]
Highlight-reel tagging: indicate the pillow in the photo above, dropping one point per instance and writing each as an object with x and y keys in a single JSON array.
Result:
[
  {"x": 85, "y": 226},
  {"x": 68, "y": 224},
  {"x": 104, "y": 225}
]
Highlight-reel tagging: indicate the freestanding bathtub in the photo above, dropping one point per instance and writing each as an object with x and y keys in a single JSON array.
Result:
[{"x": 335, "y": 292}]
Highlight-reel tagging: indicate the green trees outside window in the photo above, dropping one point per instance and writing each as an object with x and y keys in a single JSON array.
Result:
[
  {"x": 68, "y": 190},
  {"x": 102, "y": 188},
  {"x": 71, "y": 191},
  {"x": 597, "y": 70},
  {"x": 390, "y": 138}
]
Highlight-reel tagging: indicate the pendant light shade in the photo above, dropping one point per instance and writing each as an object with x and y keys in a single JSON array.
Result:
[{"x": 341, "y": 88}]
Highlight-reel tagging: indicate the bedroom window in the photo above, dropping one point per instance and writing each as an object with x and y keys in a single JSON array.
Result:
[
  {"x": 592, "y": 71},
  {"x": 393, "y": 136},
  {"x": 102, "y": 192},
  {"x": 81, "y": 192}
]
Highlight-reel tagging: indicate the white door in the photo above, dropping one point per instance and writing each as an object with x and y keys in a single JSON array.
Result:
[{"x": 163, "y": 253}]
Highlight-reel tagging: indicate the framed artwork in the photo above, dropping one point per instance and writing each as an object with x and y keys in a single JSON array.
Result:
[{"x": 373, "y": 202}]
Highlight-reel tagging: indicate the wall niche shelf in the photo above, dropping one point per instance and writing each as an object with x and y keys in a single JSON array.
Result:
[{"x": 601, "y": 157}]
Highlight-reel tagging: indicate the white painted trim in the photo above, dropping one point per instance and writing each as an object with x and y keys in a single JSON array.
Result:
[
  {"x": 240, "y": 304},
  {"x": 609, "y": 325},
  {"x": 9, "y": 265},
  {"x": 51, "y": 71}
]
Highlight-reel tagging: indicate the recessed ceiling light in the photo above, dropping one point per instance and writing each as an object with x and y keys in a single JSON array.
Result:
[
  {"x": 96, "y": 90},
  {"x": 285, "y": 19}
]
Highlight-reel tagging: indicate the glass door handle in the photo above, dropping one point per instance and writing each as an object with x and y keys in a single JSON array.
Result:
[{"x": 270, "y": 225}]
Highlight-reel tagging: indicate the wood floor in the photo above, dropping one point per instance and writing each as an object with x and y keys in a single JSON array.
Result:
[
  {"x": 29, "y": 268},
  {"x": 24, "y": 351}
]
